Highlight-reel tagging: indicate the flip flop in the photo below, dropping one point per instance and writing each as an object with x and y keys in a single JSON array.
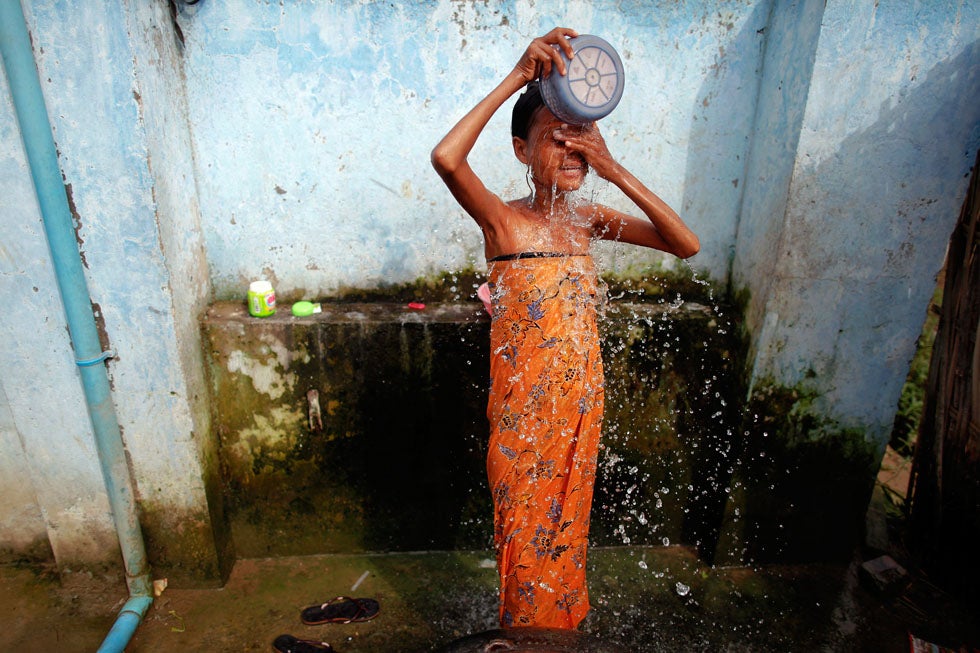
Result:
[
  {"x": 290, "y": 644},
  {"x": 341, "y": 610}
]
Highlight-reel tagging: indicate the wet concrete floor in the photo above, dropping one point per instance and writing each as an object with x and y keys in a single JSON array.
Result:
[{"x": 644, "y": 598}]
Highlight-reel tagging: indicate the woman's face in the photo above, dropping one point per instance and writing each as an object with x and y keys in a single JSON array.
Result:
[{"x": 552, "y": 165}]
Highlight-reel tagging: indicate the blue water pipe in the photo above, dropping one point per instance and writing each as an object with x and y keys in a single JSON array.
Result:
[
  {"x": 32, "y": 115},
  {"x": 126, "y": 624}
]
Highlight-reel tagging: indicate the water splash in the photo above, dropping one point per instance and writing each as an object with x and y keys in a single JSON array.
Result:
[{"x": 668, "y": 458}]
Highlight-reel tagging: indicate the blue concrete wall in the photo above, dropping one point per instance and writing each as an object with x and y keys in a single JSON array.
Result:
[
  {"x": 114, "y": 91},
  {"x": 787, "y": 69},
  {"x": 313, "y": 123},
  {"x": 48, "y": 427},
  {"x": 889, "y": 133}
]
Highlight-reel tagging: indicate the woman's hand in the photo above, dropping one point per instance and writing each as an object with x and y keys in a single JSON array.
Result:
[
  {"x": 541, "y": 57},
  {"x": 663, "y": 229},
  {"x": 587, "y": 141}
]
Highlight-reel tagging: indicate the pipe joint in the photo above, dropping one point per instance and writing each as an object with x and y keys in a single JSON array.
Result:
[{"x": 104, "y": 356}]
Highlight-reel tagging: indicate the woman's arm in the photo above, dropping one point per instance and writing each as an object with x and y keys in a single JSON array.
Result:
[
  {"x": 663, "y": 230},
  {"x": 449, "y": 157}
]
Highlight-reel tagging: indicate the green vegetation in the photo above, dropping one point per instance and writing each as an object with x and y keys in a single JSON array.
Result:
[{"x": 906, "y": 427}]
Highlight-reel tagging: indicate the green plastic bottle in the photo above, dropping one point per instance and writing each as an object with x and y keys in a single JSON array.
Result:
[{"x": 261, "y": 299}]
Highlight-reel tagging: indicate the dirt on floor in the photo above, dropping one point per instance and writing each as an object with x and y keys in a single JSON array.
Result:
[{"x": 646, "y": 599}]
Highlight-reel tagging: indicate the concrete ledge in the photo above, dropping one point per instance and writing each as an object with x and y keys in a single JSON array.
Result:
[
  {"x": 395, "y": 459},
  {"x": 353, "y": 313}
]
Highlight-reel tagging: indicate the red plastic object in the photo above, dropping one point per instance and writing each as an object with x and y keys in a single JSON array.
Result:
[{"x": 418, "y": 306}]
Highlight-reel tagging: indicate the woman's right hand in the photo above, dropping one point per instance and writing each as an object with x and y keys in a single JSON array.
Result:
[{"x": 541, "y": 58}]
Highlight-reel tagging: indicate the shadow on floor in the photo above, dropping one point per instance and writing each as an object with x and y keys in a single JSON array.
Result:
[{"x": 644, "y": 599}]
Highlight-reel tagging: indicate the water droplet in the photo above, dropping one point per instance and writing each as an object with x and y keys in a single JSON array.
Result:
[
  {"x": 643, "y": 564},
  {"x": 682, "y": 589}
]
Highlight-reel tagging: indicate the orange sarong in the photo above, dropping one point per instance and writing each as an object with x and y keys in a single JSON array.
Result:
[{"x": 545, "y": 412}]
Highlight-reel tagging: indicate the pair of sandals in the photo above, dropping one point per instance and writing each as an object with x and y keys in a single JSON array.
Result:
[{"x": 340, "y": 610}]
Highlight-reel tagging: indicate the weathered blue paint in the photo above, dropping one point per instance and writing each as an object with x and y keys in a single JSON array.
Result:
[
  {"x": 25, "y": 90},
  {"x": 890, "y": 129},
  {"x": 41, "y": 385},
  {"x": 361, "y": 93},
  {"x": 790, "y": 49},
  {"x": 123, "y": 165}
]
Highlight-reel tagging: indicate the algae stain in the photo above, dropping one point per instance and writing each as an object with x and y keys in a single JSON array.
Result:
[
  {"x": 804, "y": 479},
  {"x": 267, "y": 368},
  {"x": 266, "y": 379},
  {"x": 269, "y": 444}
]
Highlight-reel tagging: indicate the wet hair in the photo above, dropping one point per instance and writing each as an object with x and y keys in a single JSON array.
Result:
[{"x": 524, "y": 109}]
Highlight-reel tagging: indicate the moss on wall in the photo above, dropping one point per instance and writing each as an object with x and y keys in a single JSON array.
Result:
[
  {"x": 398, "y": 463},
  {"x": 400, "y": 460},
  {"x": 460, "y": 286},
  {"x": 180, "y": 546},
  {"x": 671, "y": 415},
  {"x": 803, "y": 482},
  {"x": 401, "y": 404},
  {"x": 37, "y": 551}
]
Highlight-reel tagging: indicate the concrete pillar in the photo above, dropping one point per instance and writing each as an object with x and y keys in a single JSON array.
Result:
[
  {"x": 124, "y": 146},
  {"x": 866, "y": 129},
  {"x": 44, "y": 425}
]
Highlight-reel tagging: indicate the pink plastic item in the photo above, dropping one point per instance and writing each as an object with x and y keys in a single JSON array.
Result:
[
  {"x": 483, "y": 292},
  {"x": 418, "y": 306}
]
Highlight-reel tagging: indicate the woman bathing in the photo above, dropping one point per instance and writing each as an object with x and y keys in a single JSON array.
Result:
[{"x": 546, "y": 394}]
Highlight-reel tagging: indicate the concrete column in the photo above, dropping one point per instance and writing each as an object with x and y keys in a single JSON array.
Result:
[
  {"x": 54, "y": 501},
  {"x": 866, "y": 130},
  {"x": 886, "y": 137},
  {"x": 123, "y": 140}
]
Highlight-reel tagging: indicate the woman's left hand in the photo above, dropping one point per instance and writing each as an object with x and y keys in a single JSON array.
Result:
[{"x": 587, "y": 141}]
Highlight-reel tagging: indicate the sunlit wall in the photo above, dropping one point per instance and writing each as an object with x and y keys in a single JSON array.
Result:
[{"x": 313, "y": 123}]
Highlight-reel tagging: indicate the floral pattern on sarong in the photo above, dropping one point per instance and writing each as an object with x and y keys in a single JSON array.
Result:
[{"x": 545, "y": 413}]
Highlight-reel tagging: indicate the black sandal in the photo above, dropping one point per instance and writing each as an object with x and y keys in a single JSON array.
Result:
[
  {"x": 341, "y": 610},
  {"x": 290, "y": 644}
]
